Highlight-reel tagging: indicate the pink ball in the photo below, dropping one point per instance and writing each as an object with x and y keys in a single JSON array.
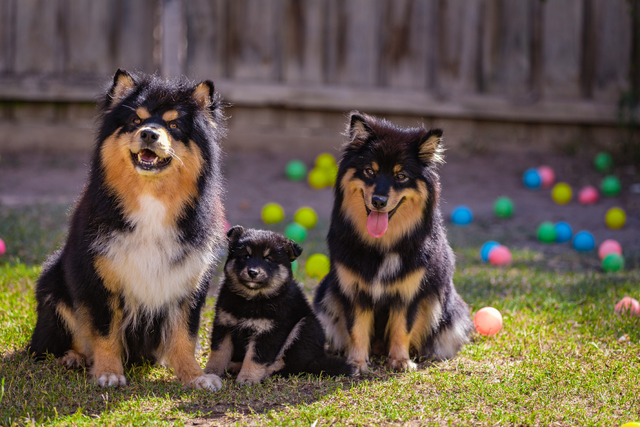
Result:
[
  {"x": 3, "y": 247},
  {"x": 628, "y": 304},
  {"x": 547, "y": 175},
  {"x": 609, "y": 246},
  {"x": 500, "y": 255},
  {"x": 488, "y": 321},
  {"x": 588, "y": 195}
]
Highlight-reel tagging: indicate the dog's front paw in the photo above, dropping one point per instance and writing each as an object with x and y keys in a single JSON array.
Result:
[
  {"x": 206, "y": 382},
  {"x": 361, "y": 366},
  {"x": 402, "y": 365},
  {"x": 72, "y": 360},
  {"x": 109, "y": 379}
]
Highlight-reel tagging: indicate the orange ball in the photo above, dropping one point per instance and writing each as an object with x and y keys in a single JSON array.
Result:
[{"x": 488, "y": 321}]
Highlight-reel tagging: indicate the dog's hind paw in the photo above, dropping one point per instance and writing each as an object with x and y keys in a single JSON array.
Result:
[
  {"x": 206, "y": 382},
  {"x": 108, "y": 379},
  {"x": 72, "y": 360},
  {"x": 402, "y": 365}
]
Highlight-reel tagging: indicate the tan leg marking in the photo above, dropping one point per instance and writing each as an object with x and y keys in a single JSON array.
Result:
[
  {"x": 399, "y": 340},
  {"x": 219, "y": 359},
  {"x": 360, "y": 339},
  {"x": 251, "y": 372}
]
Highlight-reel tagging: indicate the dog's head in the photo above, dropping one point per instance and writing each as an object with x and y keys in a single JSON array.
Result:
[
  {"x": 259, "y": 261},
  {"x": 387, "y": 177}
]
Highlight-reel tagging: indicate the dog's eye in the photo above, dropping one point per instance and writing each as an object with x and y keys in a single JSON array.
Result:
[
  {"x": 402, "y": 177},
  {"x": 267, "y": 259},
  {"x": 136, "y": 120},
  {"x": 173, "y": 125},
  {"x": 370, "y": 172}
]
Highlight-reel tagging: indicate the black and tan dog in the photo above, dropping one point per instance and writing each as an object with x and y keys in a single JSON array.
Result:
[
  {"x": 263, "y": 322},
  {"x": 390, "y": 288},
  {"x": 131, "y": 279}
]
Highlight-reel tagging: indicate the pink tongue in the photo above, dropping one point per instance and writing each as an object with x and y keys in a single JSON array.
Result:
[{"x": 377, "y": 223}]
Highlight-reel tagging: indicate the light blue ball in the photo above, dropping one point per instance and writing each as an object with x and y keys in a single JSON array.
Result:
[
  {"x": 564, "y": 232},
  {"x": 583, "y": 241},
  {"x": 532, "y": 179},
  {"x": 461, "y": 215},
  {"x": 486, "y": 248}
]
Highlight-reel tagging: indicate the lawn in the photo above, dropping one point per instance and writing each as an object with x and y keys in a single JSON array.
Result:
[{"x": 563, "y": 357}]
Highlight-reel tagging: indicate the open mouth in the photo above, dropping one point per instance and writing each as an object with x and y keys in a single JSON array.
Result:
[
  {"x": 378, "y": 221},
  {"x": 149, "y": 161}
]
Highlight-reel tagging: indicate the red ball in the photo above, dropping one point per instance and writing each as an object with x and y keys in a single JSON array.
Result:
[
  {"x": 628, "y": 304},
  {"x": 500, "y": 255},
  {"x": 609, "y": 246},
  {"x": 547, "y": 175},
  {"x": 588, "y": 195},
  {"x": 3, "y": 247},
  {"x": 488, "y": 321}
]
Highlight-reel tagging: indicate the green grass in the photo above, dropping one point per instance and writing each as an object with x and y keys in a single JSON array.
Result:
[{"x": 563, "y": 357}]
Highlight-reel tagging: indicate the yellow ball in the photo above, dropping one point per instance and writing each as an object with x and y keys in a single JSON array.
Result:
[
  {"x": 325, "y": 161},
  {"x": 615, "y": 218},
  {"x": 306, "y": 217},
  {"x": 317, "y": 265},
  {"x": 272, "y": 213},
  {"x": 561, "y": 193},
  {"x": 318, "y": 178}
]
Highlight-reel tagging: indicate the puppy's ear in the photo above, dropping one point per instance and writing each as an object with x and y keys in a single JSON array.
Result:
[
  {"x": 430, "y": 148},
  {"x": 294, "y": 250},
  {"x": 235, "y": 233},
  {"x": 123, "y": 85},
  {"x": 358, "y": 130},
  {"x": 203, "y": 94}
]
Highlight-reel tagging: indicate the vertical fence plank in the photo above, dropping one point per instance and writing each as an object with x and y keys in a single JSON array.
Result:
[
  {"x": 37, "y": 45},
  {"x": 206, "y": 31},
  {"x": 7, "y": 33},
  {"x": 303, "y": 41},
  {"x": 132, "y": 35}
]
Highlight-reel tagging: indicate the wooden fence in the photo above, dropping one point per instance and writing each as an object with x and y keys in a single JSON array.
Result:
[{"x": 526, "y": 62}]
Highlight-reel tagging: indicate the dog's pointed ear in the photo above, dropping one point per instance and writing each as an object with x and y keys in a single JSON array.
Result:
[
  {"x": 294, "y": 250},
  {"x": 358, "y": 130},
  {"x": 123, "y": 85},
  {"x": 203, "y": 94},
  {"x": 430, "y": 148},
  {"x": 235, "y": 233}
]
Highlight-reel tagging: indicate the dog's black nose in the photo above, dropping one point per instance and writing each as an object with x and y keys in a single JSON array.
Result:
[
  {"x": 253, "y": 273},
  {"x": 149, "y": 136},
  {"x": 379, "y": 202}
]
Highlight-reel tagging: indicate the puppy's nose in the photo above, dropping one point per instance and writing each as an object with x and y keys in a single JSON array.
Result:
[
  {"x": 379, "y": 202},
  {"x": 253, "y": 273},
  {"x": 149, "y": 136}
]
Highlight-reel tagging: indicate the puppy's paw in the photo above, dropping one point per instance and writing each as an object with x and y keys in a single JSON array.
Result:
[
  {"x": 72, "y": 360},
  {"x": 402, "y": 365},
  {"x": 360, "y": 366},
  {"x": 109, "y": 379},
  {"x": 244, "y": 379},
  {"x": 206, "y": 382}
]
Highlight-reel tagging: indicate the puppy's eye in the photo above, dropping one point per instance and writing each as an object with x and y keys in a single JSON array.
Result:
[
  {"x": 173, "y": 125},
  {"x": 136, "y": 120},
  {"x": 267, "y": 259},
  {"x": 401, "y": 177},
  {"x": 370, "y": 172}
]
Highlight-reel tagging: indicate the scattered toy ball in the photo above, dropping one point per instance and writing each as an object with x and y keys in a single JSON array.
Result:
[
  {"x": 603, "y": 162},
  {"x": 615, "y": 218},
  {"x": 500, "y": 255},
  {"x": 503, "y": 207},
  {"x": 306, "y": 217},
  {"x": 547, "y": 232},
  {"x": 609, "y": 246},
  {"x": 461, "y": 215},
  {"x": 325, "y": 161},
  {"x": 296, "y": 170},
  {"x": 628, "y": 305},
  {"x": 272, "y": 213},
  {"x": 583, "y": 241},
  {"x": 488, "y": 321},
  {"x": 612, "y": 263},
  {"x": 547, "y": 176},
  {"x": 564, "y": 232},
  {"x": 317, "y": 265},
  {"x": 296, "y": 232},
  {"x": 318, "y": 178},
  {"x": 3, "y": 247},
  {"x": 485, "y": 250},
  {"x": 532, "y": 179},
  {"x": 588, "y": 195},
  {"x": 561, "y": 193},
  {"x": 610, "y": 186}
]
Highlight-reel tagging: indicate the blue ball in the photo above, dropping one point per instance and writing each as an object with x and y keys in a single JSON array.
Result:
[
  {"x": 564, "y": 232},
  {"x": 486, "y": 248},
  {"x": 532, "y": 179},
  {"x": 461, "y": 215},
  {"x": 583, "y": 241}
]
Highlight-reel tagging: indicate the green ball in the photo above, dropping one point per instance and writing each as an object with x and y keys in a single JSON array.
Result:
[
  {"x": 547, "y": 232},
  {"x": 272, "y": 213},
  {"x": 294, "y": 266},
  {"x": 503, "y": 207},
  {"x": 317, "y": 265},
  {"x": 296, "y": 170},
  {"x": 603, "y": 161},
  {"x": 296, "y": 232},
  {"x": 306, "y": 217},
  {"x": 610, "y": 186},
  {"x": 613, "y": 262}
]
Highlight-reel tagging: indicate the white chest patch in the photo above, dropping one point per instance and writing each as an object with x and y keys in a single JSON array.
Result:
[
  {"x": 150, "y": 261},
  {"x": 387, "y": 271}
]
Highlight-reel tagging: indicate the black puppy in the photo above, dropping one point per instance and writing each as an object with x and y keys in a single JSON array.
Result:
[{"x": 263, "y": 323}]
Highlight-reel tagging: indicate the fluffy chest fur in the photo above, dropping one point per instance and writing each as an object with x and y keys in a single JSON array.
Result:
[{"x": 149, "y": 265}]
